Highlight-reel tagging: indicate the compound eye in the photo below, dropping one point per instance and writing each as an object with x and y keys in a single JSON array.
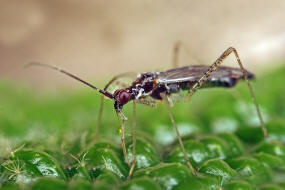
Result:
[{"x": 124, "y": 97}]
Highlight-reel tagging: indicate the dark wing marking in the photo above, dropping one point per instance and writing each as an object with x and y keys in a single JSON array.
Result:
[{"x": 223, "y": 76}]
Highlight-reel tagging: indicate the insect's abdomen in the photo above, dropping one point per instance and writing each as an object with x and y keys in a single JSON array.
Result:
[
  {"x": 226, "y": 82},
  {"x": 221, "y": 82},
  {"x": 172, "y": 88},
  {"x": 169, "y": 89},
  {"x": 161, "y": 88}
]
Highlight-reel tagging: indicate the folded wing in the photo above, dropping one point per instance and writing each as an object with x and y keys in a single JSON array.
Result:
[{"x": 223, "y": 76}]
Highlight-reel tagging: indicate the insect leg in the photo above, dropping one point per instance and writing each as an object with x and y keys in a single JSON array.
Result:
[
  {"x": 122, "y": 131},
  {"x": 176, "y": 49},
  {"x": 214, "y": 66},
  {"x": 177, "y": 133},
  {"x": 114, "y": 79},
  {"x": 134, "y": 140}
]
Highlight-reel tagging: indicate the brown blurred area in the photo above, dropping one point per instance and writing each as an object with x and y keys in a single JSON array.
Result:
[{"x": 96, "y": 39}]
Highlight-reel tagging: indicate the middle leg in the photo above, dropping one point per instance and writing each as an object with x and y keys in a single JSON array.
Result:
[
  {"x": 122, "y": 121},
  {"x": 194, "y": 172}
]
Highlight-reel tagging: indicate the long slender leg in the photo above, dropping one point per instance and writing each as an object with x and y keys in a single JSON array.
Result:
[
  {"x": 214, "y": 66},
  {"x": 176, "y": 49},
  {"x": 99, "y": 119},
  {"x": 114, "y": 79},
  {"x": 178, "y": 134},
  {"x": 134, "y": 140},
  {"x": 122, "y": 131}
]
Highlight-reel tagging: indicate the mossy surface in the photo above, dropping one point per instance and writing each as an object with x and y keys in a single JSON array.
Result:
[{"x": 48, "y": 141}]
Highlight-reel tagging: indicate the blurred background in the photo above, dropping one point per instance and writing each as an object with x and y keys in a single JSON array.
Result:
[{"x": 98, "y": 39}]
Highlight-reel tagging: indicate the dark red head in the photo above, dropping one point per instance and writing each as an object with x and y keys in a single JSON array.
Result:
[{"x": 121, "y": 97}]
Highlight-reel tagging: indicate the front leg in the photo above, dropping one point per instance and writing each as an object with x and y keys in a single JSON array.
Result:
[
  {"x": 122, "y": 121},
  {"x": 114, "y": 79},
  {"x": 134, "y": 140}
]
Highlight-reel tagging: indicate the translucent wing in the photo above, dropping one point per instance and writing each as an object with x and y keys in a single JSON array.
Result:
[{"x": 224, "y": 75}]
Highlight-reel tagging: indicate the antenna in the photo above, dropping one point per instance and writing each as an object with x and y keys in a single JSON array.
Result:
[{"x": 104, "y": 92}]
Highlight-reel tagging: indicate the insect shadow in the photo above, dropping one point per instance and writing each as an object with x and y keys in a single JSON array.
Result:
[{"x": 152, "y": 87}]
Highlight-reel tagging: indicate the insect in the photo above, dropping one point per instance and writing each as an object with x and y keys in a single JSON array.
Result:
[{"x": 152, "y": 87}]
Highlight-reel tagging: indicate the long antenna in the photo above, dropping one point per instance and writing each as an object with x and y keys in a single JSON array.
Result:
[{"x": 104, "y": 92}]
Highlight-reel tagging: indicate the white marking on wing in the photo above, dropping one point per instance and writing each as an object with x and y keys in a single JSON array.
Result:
[{"x": 161, "y": 80}]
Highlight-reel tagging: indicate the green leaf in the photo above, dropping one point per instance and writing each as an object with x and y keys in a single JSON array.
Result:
[
  {"x": 98, "y": 159},
  {"x": 239, "y": 185},
  {"x": 276, "y": 129},
  {"x": 169, "y": 176},
  {"x": 196, "y": 152},
  {"x": 249, "y": 134},
  {"x": 272, "y": 147},
  {"x": 218, "y": 168},
  {"x": 217, "y": 147},
  {"x": 210, "y": 182},
  {"x": 79, "y": 184},
  {"x": 236, "y": 146},
  {"x": 143, "y": 183},
  {"x": 48, "y": 183},
  {"x": 271, "y": 187},
  {"x": 146, "y": 155},
  {"x": 107, "y": 177},
  {"x": 251, "y": 170},
  {"x": 270, "y": 161},
  {"x": 27, "y": 165}
]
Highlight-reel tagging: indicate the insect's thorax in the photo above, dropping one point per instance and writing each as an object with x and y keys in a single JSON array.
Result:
[
  {"x": 146, "y": 85},
  {"x": 143, "y": 85}
]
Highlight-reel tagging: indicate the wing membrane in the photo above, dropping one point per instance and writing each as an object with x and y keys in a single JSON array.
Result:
[{"x": 194, "y": 73}]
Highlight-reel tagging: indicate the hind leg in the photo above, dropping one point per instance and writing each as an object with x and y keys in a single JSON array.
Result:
[{"x": 213, "y": 67}]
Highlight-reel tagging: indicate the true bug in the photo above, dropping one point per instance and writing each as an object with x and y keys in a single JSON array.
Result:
[{"x": 152, "y": 87}]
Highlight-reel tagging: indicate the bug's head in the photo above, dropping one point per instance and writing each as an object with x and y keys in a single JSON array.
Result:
[{"x": 121, "y": 97}]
